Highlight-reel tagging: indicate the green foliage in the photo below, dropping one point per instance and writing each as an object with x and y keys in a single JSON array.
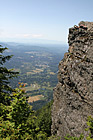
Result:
[
  {"x": 54, "y": 138},
  {"x": 19, "y": 107},
  {"x": 68, "y": 137},
  {"x": 16, "y": 125},
  {"x": 90, "y": 127},
  {"x": 43, "y": 121},
  {"x": 41, "y": 136},
  {"x": 5, "y": 75}
]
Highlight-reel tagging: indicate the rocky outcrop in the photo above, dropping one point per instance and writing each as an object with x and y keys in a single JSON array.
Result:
[{"x": 73, "y": 95}]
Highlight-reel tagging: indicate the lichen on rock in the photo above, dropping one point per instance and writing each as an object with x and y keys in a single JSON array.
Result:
[{"x": 73, "y": 95}]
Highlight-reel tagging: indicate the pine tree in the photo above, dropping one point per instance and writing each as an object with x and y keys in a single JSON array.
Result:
[{"x": 5, "y": 75}]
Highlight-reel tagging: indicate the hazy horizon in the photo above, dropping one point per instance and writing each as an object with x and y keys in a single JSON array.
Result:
[{"x": 16, "y": 44}]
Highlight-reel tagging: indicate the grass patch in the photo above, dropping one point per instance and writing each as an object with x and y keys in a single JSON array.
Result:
[{"x": 35, "y": 98}]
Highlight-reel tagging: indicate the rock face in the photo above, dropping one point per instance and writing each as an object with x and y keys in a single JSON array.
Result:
[{"x": 73, "y": 95}]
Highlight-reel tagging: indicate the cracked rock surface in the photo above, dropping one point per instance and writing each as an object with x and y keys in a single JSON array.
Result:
[{"x": 73, "y": 95}]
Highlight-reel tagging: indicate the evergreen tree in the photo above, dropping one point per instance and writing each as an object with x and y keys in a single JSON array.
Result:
[
  {"x": 5, "y": 89},
  {"x": 5, "y": 75}
]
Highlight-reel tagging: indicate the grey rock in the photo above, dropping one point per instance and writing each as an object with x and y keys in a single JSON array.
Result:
[{"x": 73, "y": 95}]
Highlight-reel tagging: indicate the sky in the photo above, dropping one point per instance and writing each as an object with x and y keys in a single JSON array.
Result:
[{"x": 41, "y": 21}]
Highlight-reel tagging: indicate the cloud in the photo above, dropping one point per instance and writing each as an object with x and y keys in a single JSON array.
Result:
[
  {"x": 37, "y": 35},
  {"x": 19, "y": 36},
  {"x": 23, "y": 35},
  {"x": 29, "y": 35}
]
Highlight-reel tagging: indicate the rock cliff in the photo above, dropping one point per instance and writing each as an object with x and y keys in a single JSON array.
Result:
[{"x": 73, "y": 95}]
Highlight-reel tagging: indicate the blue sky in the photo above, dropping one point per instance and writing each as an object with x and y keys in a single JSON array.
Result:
[{"x": 42, "y": 21}]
